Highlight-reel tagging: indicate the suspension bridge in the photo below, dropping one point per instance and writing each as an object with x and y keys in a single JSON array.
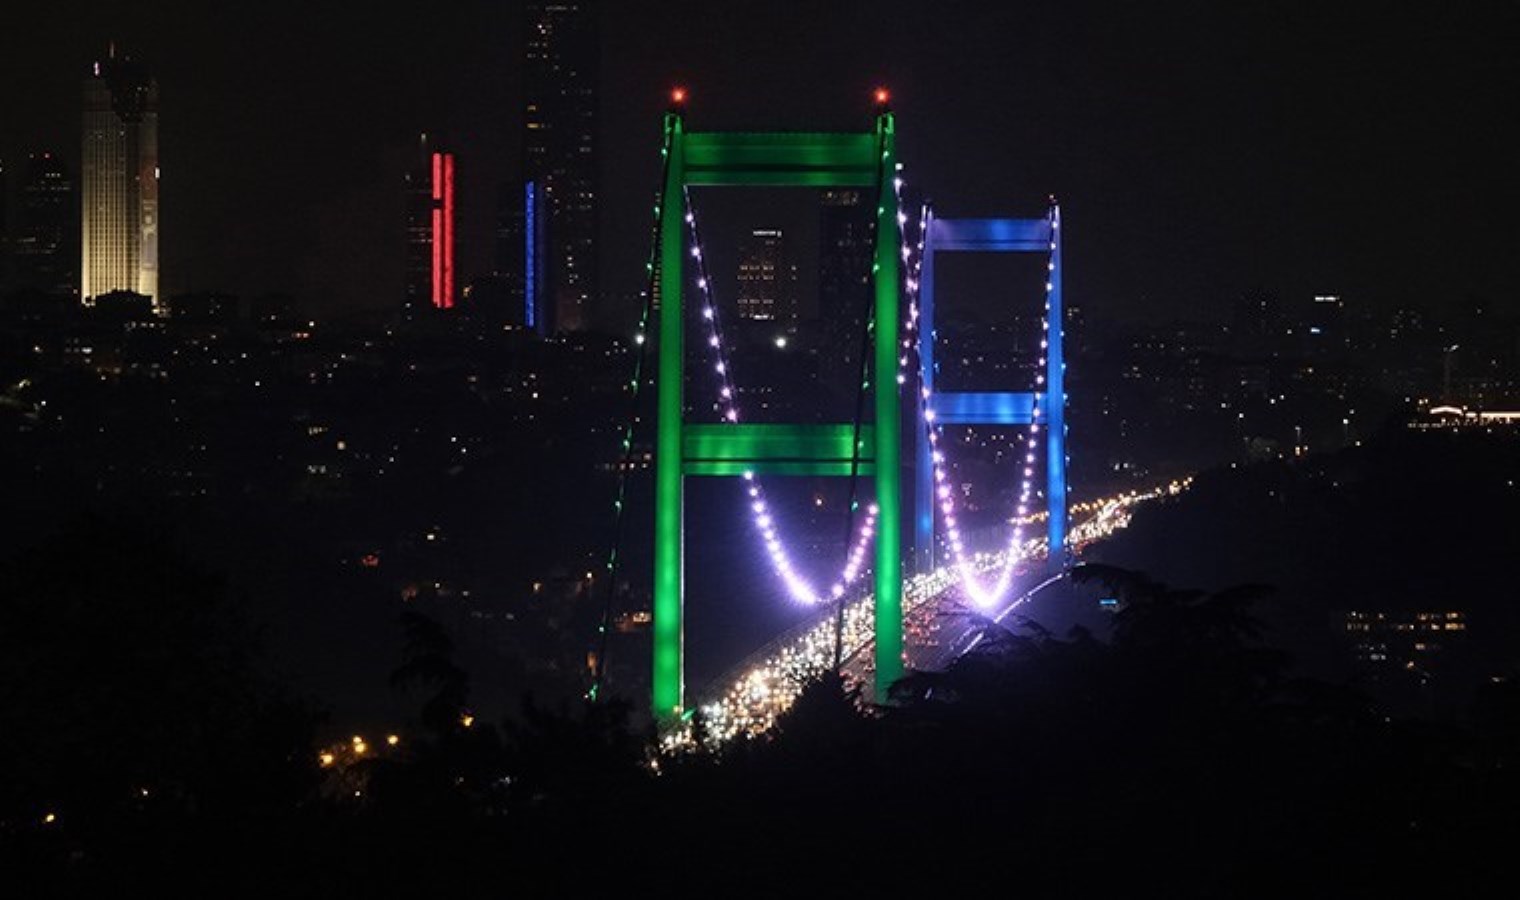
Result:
[{"x": 893, "y": 583}]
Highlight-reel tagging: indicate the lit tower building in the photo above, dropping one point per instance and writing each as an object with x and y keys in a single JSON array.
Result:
[
  {"x": 767, "y": 282},
  {"x": 521, "y": 242},
  {"x": 562, "y": 54},
  {"x": 119, "y": 180},
  {"x": 511, "y": 228},
  {"x": 43, "y": 250},
  {"x": 844, "y": 283},
  {"x": 429, "y": 232}
]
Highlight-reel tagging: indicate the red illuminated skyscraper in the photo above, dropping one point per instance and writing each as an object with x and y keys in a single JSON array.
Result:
[{"x": 430, "y": 216}]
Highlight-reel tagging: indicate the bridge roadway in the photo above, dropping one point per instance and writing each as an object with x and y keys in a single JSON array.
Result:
[{"x": 938, "y": 625}]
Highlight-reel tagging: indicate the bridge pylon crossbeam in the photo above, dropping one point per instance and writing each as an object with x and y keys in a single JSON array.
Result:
[
  {"x": 773, "y": 159},
  {"x": 1041, "y": 235}
]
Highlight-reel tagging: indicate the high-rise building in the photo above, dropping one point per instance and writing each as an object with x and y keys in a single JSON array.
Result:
[
  {"x": 429, "y": 232},
  {"x": 43, "y": 253},
  {"x": 844, "y": 283},
  {"x": 511, "y": 222},
  {"x": 767, "y": 280},
  {"x": 540, "y": 308},
  {"x": 562, "y": 53},
  {"x": 522, "y": 223},
  {"x": 119, "y": 180}
]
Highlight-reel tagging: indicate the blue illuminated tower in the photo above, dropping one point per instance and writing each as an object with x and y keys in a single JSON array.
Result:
[
  {"x": 538, "y": 311},
  {"x": 994, "y": 408}
]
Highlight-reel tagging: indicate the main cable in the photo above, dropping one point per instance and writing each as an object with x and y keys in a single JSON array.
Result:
[
  {"x": 625, "y": 460},
  {"x": 728, "y": 408},
  {"x": 862, "y": 383}
]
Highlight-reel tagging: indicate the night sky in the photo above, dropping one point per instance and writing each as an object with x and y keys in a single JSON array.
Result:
[{"x": 1200, "y": 150}]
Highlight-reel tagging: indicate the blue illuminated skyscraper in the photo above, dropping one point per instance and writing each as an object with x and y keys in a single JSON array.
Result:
[
  {"x": 522, "y": 264},
  {"x": 562, "y": 54}
]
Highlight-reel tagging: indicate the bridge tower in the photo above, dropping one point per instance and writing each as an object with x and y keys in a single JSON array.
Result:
[
  {"x": 774, "y": 159},
  {"x": 1041, "y": 235}
]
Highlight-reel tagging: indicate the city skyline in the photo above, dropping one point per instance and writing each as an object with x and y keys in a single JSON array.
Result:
[
  {"x": 555, "y": 433},
  {"x": 1248, "y": 123}
]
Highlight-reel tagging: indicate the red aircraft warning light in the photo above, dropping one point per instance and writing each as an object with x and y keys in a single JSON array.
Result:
[
  {"x": 677, "y": 96},
  {"x": 882, "y": 96}
]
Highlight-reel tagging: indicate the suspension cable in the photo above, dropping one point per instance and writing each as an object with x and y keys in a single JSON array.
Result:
[
  {"x": 641, "y": 339},
  {"x": 1018, "y": 549},
  {"x": 728, "y": 406},
  {"x": 867, "y": 324},
  {"x": 728, "y": 409}
]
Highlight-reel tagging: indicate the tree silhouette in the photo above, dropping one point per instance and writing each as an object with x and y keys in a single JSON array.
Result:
[
  {"x": 132, "y": 701},
  {"x": 428, "y": 664}
]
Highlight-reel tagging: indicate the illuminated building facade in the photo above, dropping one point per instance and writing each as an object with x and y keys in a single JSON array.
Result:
[
  {"x": 521, "y": 244},
  {"x": 430, "y": 218},
  {"x": 767, "y": 282},
  {"x": 562, "y": 54},
  {"x": 538, "y": 310},
  {"x": 119, "y": 181}
]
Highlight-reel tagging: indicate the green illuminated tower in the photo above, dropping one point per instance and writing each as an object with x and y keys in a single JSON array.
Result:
[{"x": 774, "y": 159}]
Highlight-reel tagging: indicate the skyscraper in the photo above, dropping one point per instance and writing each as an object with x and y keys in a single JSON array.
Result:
[
  {"x": 844, "y": 283},
  {"x": 429, "y": 232},
  {"x": 42, "y": 246},
  {"x": 511, "y": 225},
  {"x": 521, "y": 245},
  {"x": 767, "y": 280},
  {"x": 561, "y": 55},
  {"x": 120, "y": 180}
]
